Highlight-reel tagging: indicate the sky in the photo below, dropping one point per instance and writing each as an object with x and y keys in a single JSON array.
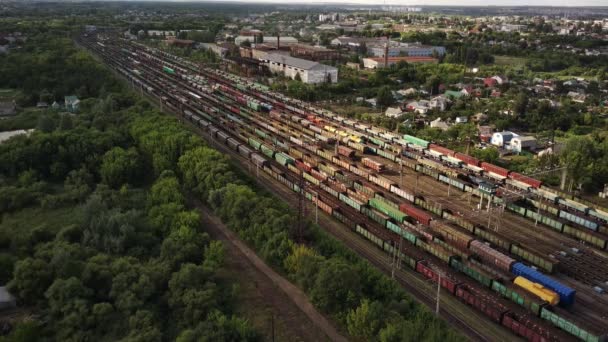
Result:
[{"x": 569, "y": 3}]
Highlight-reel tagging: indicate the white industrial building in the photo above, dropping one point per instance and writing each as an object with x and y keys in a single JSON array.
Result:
[
  {"x": 309, "y": 71},
  {"x": 269, "y": 40},
  {"x": 406, "y": 49}
]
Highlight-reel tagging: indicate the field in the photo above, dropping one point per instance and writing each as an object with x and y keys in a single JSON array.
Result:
[
  {"x": 8, "y": 94},
  {"x": 508, "y": 60},
  {"x": 26, "y": 220}
]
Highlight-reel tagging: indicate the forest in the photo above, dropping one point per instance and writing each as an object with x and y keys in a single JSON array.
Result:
[{"x": 100, "y": 238}]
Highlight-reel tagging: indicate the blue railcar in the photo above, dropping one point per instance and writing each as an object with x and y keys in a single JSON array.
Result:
[{"x": 566, "y": 294}]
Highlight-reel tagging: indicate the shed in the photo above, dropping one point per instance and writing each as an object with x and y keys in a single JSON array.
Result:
[
  {"x": 8, "y": 108},
  {"x": 7, "y": 300},
  {"x": 519, "y": 144}
]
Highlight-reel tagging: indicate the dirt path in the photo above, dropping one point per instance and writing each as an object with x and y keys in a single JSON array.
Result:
[{"x": 295, "y": 318}]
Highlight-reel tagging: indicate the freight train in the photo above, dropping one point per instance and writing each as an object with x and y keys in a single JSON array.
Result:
[{"x": 322, "y": 171}]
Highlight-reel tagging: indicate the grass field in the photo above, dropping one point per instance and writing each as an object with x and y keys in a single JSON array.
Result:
[
  {"x": 508, "y": 60},
  {"x": 8, "y": 94},
  {"x": 52, "y": 220}
]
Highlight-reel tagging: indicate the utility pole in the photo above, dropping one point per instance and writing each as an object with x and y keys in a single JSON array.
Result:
[
  {"x": 301, "y": 215},
  {"x": 438, "y": 294}
]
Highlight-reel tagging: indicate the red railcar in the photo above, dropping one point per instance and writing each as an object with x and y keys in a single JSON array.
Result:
[
  {"x": 318, "y": 175},
  {"x": 302, "y": 166},
  {"x": 441, "y": 149},
  {"x": 447, "y": 283},
  {"x": 345, "y": 151},
  {"x": 492, "y": 256},
  {"x": 467, "y": 159},
  {"x": 535, "y": 183},
  {"x": 419, "y": 214},
  {"x": 378, "y": 167},
  {"x": 495, "y": 169},
  {"x": 488, "y": 306}
]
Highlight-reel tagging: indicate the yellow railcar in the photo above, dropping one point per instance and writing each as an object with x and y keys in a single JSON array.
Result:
[{"x": 537, "y": 290}]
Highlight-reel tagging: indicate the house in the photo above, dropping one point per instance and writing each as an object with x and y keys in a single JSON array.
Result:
[
  {"x": 7, "y": 301},
  {"x": 577, "y": 97},
  {"x": 353, "y": 65},
  {"x": 489, "y": 82},
  {"x": 372, "y": 102},
  {"x": 440, "y": 124},
  {"x": 393, "y": 112},
  {"x": 480, "y": 117},
  {"x": 439, "y": 102},
  {"x": 420, "y": 107},
  {"x": 8, "y": 108},
  {"x": 453, "y": 93},
  {"x": 462, "y": 119},
  {"x": 500, "y": 80},
  {"x": 408, "y": 92},
  {"x": 501, "y": 139},
  {"x": 42, "y": 105},
  {"x": 308, "y": 71},
  {"x": 520, "y": 143},
  {"x": 72, "y": 103},
  {"x": 218, "y": 50},
  {"x": 495, "y": 93}
]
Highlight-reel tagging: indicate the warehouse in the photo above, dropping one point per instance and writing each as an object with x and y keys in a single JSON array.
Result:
[
  {"x": 310, "y": 72},
  {"x": 407, "y": 49}
]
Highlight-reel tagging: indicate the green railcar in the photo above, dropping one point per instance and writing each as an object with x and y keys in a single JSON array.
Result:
[
  {"x": 416, "y": 141},
  {"x": 568, "y": 326},
  {"x": 254, "y": 143},
  {"x": 519, "y": 297},
  {"x": 168, "y": 70},
  {"x": 401, "y": 231},
  {"x": 283, "y": 159},
  {"x": 383, "y": 207},
  {"x": 533, "y": 258},
  {"x": 267, "y": 151},
  {"x": 471, "y": 272}
]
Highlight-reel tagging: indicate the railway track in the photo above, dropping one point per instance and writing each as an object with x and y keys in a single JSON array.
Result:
[{"x": 164, "y": 87}]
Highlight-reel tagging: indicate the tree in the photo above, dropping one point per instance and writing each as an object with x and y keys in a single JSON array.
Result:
[
  {"x": 337, "y": 286},
  {"x": 521, "y": 103},
  {"x": 385, "y": 97},
  {"x": 120, "y": 166},
  {"x": 366, "y": 320},
  {"x": 31, "y": 278},
  {"x": 46, "y": 124},
  {"x": 579, "y": 157},
  {"x": 297, "y": 77}
]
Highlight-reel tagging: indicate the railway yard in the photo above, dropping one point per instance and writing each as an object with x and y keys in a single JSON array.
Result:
[{"x": 526, "y": 257}]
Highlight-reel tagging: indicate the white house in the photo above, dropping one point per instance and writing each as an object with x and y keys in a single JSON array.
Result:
[
  {"x": 439, "y": 102},
  {"x": 462, "y": 119},
  {"x": 309, "y": 71},
  {"x": 519, "y": 144},
  {"x": 393, "y": 112},
  {"x": 440, "y": 124},
  {"x": 501, "y": 139}
]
